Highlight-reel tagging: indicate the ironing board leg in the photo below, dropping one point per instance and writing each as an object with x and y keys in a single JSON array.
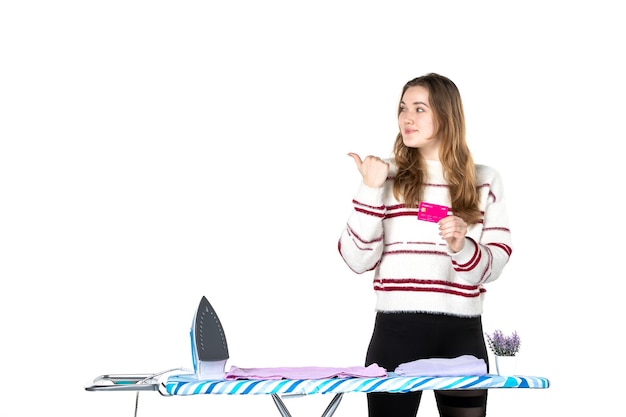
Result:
[
  {"x": 330, "y": 410},
  {"x": 281, "y": 406}
]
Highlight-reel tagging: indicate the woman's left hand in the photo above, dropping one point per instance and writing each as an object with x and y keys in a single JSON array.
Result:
[{"x": 453, "y": 230}]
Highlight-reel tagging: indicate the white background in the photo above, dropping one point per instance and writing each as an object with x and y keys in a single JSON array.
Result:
[{"x": 156, "y": 151}]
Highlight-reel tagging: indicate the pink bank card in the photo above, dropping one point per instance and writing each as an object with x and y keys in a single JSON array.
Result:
[{"x": 431, "y": 212}]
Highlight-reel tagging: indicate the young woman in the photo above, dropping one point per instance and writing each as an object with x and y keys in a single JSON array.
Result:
[{"x": 429, "y": 274}]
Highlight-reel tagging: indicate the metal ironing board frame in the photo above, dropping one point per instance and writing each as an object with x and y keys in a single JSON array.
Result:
[{"x": 186, "y": 384}]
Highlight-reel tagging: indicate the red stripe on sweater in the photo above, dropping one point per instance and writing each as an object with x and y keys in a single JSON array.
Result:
[
  {"x": 431, "y": 289},
  {"x": 416, "y": 252},
  {"x": 358, "y": 203},
  {"x": 369, "y": 213},
  {"x": 352, "y": 233},
  {"x": 401, "y": 214},
  {"x": 506, "y": 248},
  {"x": 471, "y": 264},
  {"x": 383, "y": 281}
]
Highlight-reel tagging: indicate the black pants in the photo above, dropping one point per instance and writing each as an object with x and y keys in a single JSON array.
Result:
[{"x": 405, "y": 337}]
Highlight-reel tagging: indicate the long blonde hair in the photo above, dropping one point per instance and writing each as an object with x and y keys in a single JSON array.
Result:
[{"x": 458, "y": 165}]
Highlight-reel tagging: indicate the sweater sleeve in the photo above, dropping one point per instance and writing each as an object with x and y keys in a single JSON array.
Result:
[
  {"x": 361, "y": 242},
  {"x": 487, "y": 251}
]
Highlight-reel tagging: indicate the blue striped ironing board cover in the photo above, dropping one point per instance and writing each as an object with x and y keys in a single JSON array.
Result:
[{"x": 188, "y": 384}]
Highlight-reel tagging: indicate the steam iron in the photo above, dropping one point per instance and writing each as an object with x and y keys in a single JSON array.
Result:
[{"x": 208, "y": 343}]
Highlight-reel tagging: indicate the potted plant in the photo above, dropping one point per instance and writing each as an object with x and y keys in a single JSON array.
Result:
[{"x": 504, "y": 348}]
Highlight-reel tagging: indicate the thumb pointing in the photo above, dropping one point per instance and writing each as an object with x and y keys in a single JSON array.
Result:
[{"x": 357, "y": 159}]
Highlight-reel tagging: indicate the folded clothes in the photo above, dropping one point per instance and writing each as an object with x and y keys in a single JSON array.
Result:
[
  {"x": 306, "y": 372},
  {"x": 459, "y": 366}
]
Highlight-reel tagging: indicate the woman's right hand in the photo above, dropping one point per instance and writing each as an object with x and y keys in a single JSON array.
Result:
[{"x": 373, "y": 170}]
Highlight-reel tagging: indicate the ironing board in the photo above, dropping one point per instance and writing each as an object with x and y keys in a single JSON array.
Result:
[{"x": 188, "y": 384}]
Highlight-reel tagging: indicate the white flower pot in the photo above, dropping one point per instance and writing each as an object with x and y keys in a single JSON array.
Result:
[{"x": 505, "y": 365}]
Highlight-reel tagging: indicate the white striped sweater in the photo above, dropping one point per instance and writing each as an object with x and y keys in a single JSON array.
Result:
[{"x": 413, "y": 269}]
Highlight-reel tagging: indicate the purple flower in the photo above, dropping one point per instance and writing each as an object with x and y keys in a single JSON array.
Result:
[{"x": 502, "y": 345}]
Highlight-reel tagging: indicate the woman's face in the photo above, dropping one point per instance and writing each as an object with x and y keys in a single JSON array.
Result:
[{"x": 416, "y": 122}]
